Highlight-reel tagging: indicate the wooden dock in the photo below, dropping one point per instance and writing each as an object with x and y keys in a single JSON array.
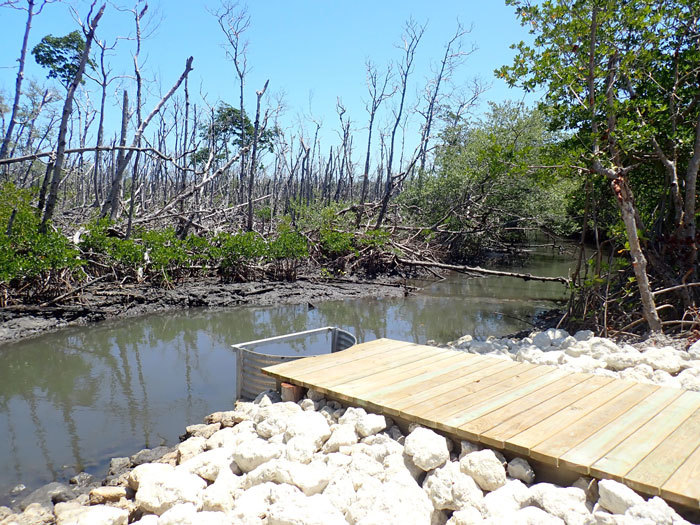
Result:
[{"x": 645, "y": 436}]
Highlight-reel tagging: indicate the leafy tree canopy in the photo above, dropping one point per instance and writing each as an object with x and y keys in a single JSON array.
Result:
[{"x": 61, "y": 55}]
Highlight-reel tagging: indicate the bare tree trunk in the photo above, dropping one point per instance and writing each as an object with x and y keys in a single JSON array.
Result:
[
  {"x": 18, "y": 83},
  {"x": 253, "y": 159},
  {"x": 67, "y": 109},
  {"x": 111, "y": 204}
]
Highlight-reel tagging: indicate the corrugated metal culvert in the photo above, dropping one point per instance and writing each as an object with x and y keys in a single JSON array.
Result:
[{"x": 250, "y": 381}]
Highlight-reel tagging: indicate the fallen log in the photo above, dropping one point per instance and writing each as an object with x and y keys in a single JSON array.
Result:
[{"x": 483, "y": 271}]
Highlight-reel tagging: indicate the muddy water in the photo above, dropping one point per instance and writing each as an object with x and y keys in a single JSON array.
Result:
[{"x": 71, "y": 400}]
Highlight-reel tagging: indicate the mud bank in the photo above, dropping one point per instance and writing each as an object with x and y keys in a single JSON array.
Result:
[{"x": 111, "y": 301}]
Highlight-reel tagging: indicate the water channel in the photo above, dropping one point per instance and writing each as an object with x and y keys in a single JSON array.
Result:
[{"x": 73, "y": 399}]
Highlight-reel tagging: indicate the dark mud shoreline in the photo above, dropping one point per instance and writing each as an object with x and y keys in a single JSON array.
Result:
[{"x": 111, "y": 301}]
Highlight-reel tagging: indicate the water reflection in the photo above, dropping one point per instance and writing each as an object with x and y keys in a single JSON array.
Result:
[{"x": 73, "y": 399}]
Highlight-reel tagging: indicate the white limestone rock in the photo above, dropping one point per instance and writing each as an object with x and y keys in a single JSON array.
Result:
[
  {"x": 381, "y": 445},
  {"x": 190, "y": 448},
  {"x": 664, "y": 358},
  {"x": 250, "y": 454},
  {"x": 158, "y": 494},
  {"x": 370, "y": 425},
  {"x": 656, "y": 511},
  {"x": 341, "y": 493},
  {"x": 343, "y": 434},
  {"x": 601, "y": 347},
  {"x": 485, "y": 467},
  {"x": 535, "y": 516},
  {"x": 583, "y": 363},
  {"x": 310, "y": 478},
  {"x": 616, "y": 497},
  {"x": 300, "y": 449},
  {"x": 147, "y": 470},
  {"x": 251, "y": 505},
  {"x": 232, "y": 437},
  {"x": 466, "y": 516},
  {"x": 529, "y": 354},
  {"x": 399, "y": 466},
  {"x": 427, "y": 449},
  {"x": 627, "y": 357},
  {"x": 663, "y": 378},
  {"x": 71, "y": 514},
  {"x": 310, "y": 425},
  {"x": 203, "y": 430},
  {"x": 391, "y": 502},
  {"x": 500, "y": 504},
  {"x": 352, "y": 415},
  {"x": 186, "y": 514},
  {"x": 307, "y": 405},
  {"x": 219, "y": 495},
  {"x": 449, "y": 488},
  {"x": 567, "y": 503},
  {"x": 520, "y": 469},
  {"x": 272, "y": 419},
  {"x": 305, "y": 510},
  {"x": 465, "y": 341},
  {"x": 207, "y": 465}
]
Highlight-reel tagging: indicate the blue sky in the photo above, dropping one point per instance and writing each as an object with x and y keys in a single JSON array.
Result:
[{"x": 311, "y": 50}]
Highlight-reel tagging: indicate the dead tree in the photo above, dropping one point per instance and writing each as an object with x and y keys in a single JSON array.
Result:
[
  {"x": 253, "y": 155},
  {"x": 31, "y": 13},
  {"x": 411, "y": 38},
  {"x": 57, "y": 165}
]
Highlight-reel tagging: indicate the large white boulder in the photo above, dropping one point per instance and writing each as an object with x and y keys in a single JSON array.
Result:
[
  {"x": 145, "y": 470},
  {"x": 627, "y": 357},
  {"x": 70, "y": 513},
  {"x": 370, "y": 424},
  {"x": 535, "y": 516},
  {"x": 207, "y": 465},
  {"x": 252, "y": 453},
  {"x": 500, "y": 504},
  {"x": 343, "y": 434},
  {"x": 567, "y": 503},
  {"x": 485, "y": 467},
  {"x": 157, "y": 494},
  {"x": 251, "y": 506},
  {"x": 186, "y": 514},
  {"x": 305, "y": 510},
  {"x": 190, "y": 448},
  {"x": 664, "y": 358},
  {"x": 616, "y": 497},
  {"x": 231, "y": 437},
  {"x": 310, "y": 478},
  {"x": 390, "y": 502},
  {"x": 272, "y": 419},
  {"x": 219, "y": 495},
  {"x": 427, "y": 449},
  {"x": 449, "y": 488},
  {"x": 466, "y": 516},
  {"x": 309, "y": 425},
  {"x": 656, "y": 511},
  {"x": 341, "y": 493},
  {"x": 300, "y": 449}
]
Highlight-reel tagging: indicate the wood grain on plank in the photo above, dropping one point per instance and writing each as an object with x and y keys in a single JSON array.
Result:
[
  {"x": 658, "y": 466},
  {"x": 523, "y": 442},
  {"x": 561, "y": 442},
  {"x": 684, "y": 484},
  {"x": 587, "y": 452},
  {"x": 620, "y": 460}
]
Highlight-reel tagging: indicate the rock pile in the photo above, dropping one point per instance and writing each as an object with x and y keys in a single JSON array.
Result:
[
  {"x": 316, "y": 462},
  {"x": 650, "y": 363}
]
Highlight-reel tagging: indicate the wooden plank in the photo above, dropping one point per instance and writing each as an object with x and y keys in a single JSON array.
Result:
[
  {"x": 581, "y": 456},
  {"x": 319, "y": 362},
  {"x": 361, "y": 367},
  {"x": 474, "y": 428},
  {"x": 620, "y": 460},
  {"x": 405, "y": 380},
  {"x": 684, "y": 484},
  {"x": 473, "y": 368},
  {"x": 658, "y": 466},
  {"x": 523, "y": 441},
  {"x": 398, "y": 368},
  {"x": 558, "y": 443},
  {"x": 485, "y": 403},
  {"x": 477, "y": 392},
  {"x": 459, "y": 388}
]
